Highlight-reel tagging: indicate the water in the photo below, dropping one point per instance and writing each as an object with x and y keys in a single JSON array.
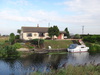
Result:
[{"x": 43, "y": 62}]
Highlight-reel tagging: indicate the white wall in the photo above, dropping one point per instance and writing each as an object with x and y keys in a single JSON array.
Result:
[{"x": 25, "y": 37}]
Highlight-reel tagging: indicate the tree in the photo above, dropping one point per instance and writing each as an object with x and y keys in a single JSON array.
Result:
[
  {"x": 67, "y": 32},
  {"x": 77, "y": 36},
  {"x": 12, "y": 38},
  {"x": 53, "y": 31},
  {"x": 19, "y": 31},
  {"x": 56, "y": 30}
]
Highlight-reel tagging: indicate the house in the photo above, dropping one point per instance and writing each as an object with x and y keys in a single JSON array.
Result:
[{"x": 28, "y": 33}]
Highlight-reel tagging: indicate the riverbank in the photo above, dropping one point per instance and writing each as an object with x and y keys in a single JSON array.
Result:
[
  {"x": 74, "y": 70},
  {"x": 56, "y": 45},
  {"x": 93, "y": 47}
]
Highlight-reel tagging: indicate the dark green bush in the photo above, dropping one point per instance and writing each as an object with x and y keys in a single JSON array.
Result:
[
  {"x": 93, "y": 48},
  {"x": 37, "y": 41},
  {"x": 17, "y": 37},
  {"x": 92, "y": 39},
  {"x": 12, "y": 38},
  {"x": 8, "y": 51}
]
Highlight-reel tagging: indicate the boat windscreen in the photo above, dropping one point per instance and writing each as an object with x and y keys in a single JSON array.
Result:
[{"x": 72, "y": 46}]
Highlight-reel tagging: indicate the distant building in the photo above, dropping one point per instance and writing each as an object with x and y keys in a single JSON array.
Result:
[{"x": 28, "y": 33}]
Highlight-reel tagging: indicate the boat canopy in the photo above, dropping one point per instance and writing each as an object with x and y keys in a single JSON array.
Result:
[{"x": 72, "y": 46}]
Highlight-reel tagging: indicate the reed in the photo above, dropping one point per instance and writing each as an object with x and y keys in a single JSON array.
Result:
[{"x": 74, "y": 70}]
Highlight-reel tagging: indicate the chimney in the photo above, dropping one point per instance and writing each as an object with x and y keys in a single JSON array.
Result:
[{"x": 37, "y": 25}]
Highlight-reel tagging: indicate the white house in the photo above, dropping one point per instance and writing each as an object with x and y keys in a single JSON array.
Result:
[{"x": 28, "y": 33}]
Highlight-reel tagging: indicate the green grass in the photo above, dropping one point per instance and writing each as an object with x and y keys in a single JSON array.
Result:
[
  {"x": 57, "y": 44},
  {"x": 74, "y": 70},
  {"x": 2, "y": 39},
  {"x": 93, "y": 48}
]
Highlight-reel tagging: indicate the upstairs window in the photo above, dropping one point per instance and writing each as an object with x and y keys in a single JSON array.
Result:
[{"x": 29, "y": 34}]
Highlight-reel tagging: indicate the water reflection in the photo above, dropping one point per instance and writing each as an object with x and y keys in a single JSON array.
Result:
[
  {"x": 78, "y": 58},
  {"x": 44, "y": 62}
]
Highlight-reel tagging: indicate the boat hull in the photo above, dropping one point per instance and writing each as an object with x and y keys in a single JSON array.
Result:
[{"x": 78, "y": 50}]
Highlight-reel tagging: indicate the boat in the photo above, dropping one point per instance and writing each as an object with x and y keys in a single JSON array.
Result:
[{"x": 77, "y": 48}]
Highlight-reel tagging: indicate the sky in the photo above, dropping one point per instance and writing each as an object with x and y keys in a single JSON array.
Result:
[{"x": 73, "y": 14}]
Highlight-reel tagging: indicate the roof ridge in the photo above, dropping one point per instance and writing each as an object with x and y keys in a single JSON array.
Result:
[{"x": 34, "y": 27}]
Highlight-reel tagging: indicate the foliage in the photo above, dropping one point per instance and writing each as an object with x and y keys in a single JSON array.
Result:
[
  {"x": 17, "y": 45},
  {"x": 50, "y": 31},
  {"x": 77, "y": 36},
  {"x": 53, "y": 31},
  {"x": 75, "y": 70},
  {"x": 8, "y": 51},
  {"x": 67, "y": 32},
  {"x": 37, "y": 41},
  {"x": 19, "y": 31},
  {"x": 17, "y": 37},
  {"x": 93, "y": 48},
  {"x": 92, "y": 39},
  {"x": 12, "y": 38},
  {"x": 29, "y": 45},
  {"x": 56, "y": 30}
]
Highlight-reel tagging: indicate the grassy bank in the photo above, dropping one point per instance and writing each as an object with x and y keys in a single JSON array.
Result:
[
  {"x": 74, "y": 70},
  {"x": 57, "y": 44},
  {"x": 93, "y": 48}
]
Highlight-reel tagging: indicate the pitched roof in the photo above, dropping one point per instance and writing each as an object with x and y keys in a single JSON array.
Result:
[{"x": 35, "y": 29}]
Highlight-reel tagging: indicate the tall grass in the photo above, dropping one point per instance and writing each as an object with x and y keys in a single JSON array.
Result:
[
  {"x": 2, "y": 39},
  {"x": 74, "y": 70}
]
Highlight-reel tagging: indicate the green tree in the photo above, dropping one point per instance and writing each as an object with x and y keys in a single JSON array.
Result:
[
  {"x": 53, "y": 31},
  {"x": 12, "y": 38},
  {"x": 56, "y": 30},
  {"x": 19, "y": 31},
  {"x": 50, "y": 31},
  {"x": 67, "y": 32}
]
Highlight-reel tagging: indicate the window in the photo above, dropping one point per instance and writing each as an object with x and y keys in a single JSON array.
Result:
[
  {"x": 29, "y": 34},
  {"x": 41, "y": 34}
]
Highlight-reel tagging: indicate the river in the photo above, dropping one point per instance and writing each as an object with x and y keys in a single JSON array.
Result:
[{"x": 43, "y": 62}]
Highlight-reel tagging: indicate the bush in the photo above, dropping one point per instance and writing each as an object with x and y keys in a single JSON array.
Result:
[
  {"x": 17, "y": 45},
  {"x": 93, "y": 48},
  {"x": 8, "y": 51},
  {"x": 37, "y": 41},
  {"x": 12, "y": 38},
  {"x": 17, "y": 37},
  {"x": 92, "y": 39}
]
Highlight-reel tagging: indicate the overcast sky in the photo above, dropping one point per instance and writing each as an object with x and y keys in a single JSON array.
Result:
[{"x": 64, "y": 13}]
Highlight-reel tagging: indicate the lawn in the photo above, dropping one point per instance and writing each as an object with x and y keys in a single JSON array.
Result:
[{"x": 57, "y": 44}]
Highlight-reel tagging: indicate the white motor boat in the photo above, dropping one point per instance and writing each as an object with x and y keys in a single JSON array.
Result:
[{"x": 77, "y": 48}]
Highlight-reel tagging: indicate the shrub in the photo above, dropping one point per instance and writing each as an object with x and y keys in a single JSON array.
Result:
[
  {"x": 8, "y": 51},
  {"x": 92, "y": 39},
  {"x": 17, "y": 37},
  {"x": 17, "y": 45},
  {"x": 37, "y": 41},
  {"x": 12, "y": 38}
]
